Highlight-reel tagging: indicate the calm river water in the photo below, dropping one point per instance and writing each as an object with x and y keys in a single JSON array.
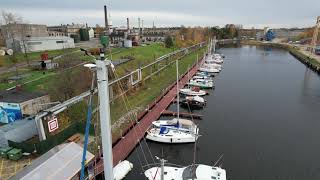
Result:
[{"x": 264, "y": 116}]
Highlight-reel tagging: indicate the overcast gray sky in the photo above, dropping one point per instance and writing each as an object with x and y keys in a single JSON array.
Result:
[{"x": 257, "y": 13}]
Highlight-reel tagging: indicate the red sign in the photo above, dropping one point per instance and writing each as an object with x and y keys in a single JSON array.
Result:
[{"x": 53, "y": 124}]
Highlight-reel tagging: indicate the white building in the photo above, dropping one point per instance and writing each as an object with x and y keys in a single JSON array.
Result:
[
  {"x": 91, "y": 33},
  {"x": 32, "y": 44}
]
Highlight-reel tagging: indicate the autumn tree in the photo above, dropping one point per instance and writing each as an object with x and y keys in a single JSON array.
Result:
[
  {"x": 189, "y": 36},
  {"x": 69, "y": 83},
  {"x": 168, "y": 42}
]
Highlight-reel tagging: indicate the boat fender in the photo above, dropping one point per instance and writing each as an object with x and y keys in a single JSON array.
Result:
[{"x": 122, "y": 169}]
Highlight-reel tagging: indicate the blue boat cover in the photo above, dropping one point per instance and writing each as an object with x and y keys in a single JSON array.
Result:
[{"x": 163, "y": 130}]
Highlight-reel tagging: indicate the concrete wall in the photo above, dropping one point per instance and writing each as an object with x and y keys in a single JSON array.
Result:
[
  {"x": 24, "y": 30},
  {"x": 33, "y": 106},
  {"x": 41, "y": 43}
]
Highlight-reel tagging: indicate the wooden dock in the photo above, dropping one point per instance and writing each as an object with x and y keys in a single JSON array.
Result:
[
  {"x": 134, "y": 134},
  {"x": 181, "y": 114}
]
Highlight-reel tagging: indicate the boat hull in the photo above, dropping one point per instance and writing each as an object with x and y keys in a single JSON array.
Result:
[{"x": 170, "y": 140}]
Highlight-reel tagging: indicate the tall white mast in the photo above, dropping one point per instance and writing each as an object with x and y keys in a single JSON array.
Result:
[
  {"x": 105, "y": 122},
  {"x": 178, "y": 97}
]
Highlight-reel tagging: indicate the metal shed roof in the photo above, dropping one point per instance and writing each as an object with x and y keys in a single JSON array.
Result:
[
  {"x": 14, "y": 96},
  {"x": 61, "y": 162}
]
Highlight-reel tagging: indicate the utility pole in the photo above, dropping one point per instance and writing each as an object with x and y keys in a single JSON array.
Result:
[{"x": 315, "y": 36}]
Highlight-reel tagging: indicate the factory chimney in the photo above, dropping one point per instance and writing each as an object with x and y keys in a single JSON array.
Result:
[
  {"x": 139, "y": 25},
  {"x": 106, "y": 19},
  {"x": 128, "y": 25}
]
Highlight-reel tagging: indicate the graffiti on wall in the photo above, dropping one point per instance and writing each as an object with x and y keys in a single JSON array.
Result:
[{"x": 9, "y": 112}]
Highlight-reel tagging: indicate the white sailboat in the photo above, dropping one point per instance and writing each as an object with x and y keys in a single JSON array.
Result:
[
  {"x": 209, "y": 69},
  {"x": 193, "y": 102},
  {"x": 176, "y": 130},
  {"x": 195, "y": 91},
  {"x": 206, "y": 78},
  {"x": 182, "y": 124},
  {"x": 196, "y": 172},
  {"x": 201, "y": 83},
  {"x": 204, "y": 74},
  {"x": 214, "y": 59},
  {"x": 166, "y": 134}
]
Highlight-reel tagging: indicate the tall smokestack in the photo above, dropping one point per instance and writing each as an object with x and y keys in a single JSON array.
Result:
[
  {"x": 142, "y": 26},
  {"x": 139, "y": 25},
  {"x": 106, "y": 19},
  {"x": 128, "y": 25}
]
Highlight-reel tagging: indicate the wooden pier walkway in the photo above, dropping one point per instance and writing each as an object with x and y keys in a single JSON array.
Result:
[
  {"x": 128, "y": 142},
  {"x": 181, "y": 114}
]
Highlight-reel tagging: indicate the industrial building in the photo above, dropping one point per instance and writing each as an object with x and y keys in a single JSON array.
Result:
[
  {"x": 33, "y": 37},
  {"x": 19, "y": 31},
  {"x": 18, "y": 131},
  {"x": 79, "y": 32},
  {"x": 61, "y": 162},
  {"x": 68, "y": 29},
  {"x": 283, "y": 34},
  {"x": 159, "y": 34},
  {"x": 15, "y": 104},
  {"x": 33, "y": 44}
]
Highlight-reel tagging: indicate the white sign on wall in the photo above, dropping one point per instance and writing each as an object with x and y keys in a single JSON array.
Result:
[{"x": 53, "y": 124}]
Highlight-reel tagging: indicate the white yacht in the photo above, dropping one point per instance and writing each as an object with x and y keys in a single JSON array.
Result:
[
  {"x": 213, "y": 59},
  {"x": 182, "y": 124},
  {"x": 209, "y": 69},
  {"x": 193, "y": 92},
  {"x": 205, "y": 78},
  {"x": 212, "y": 64},
  {"x": 196, "y": 172},
  {"x": 204, "y": 74},
  {"x": 173, "y": 133},
  {"x": 204, "y": 84},
  {"x": 217, "y": 60}
]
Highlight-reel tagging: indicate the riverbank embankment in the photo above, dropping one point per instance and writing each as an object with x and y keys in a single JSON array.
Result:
[{"x": 311, "y": 61}]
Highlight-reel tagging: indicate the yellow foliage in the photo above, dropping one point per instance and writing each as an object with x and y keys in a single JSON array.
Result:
[
  {"x": 63, "y": 120},
  {"x": 308, "y": 33},
  {"x": 189, "y": 36}
]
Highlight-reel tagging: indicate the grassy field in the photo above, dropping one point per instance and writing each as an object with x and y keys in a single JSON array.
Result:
[
  {"x": 37, "y": 76},
  {"x": 142, "y": 54},
  {"x": 35, "y": 56}
]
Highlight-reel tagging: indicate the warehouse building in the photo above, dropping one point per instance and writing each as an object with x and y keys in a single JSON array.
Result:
[
  {"x": 61, "y": 162},
  {"x": 33, "y": 44},
  {"x": 18, "y": 131}
]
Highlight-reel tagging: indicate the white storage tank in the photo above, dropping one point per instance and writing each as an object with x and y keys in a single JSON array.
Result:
[
  {"x": 127, "y": 43},
  {"x": 9, "y": 52},
  {"x": 2, "y": 52}
]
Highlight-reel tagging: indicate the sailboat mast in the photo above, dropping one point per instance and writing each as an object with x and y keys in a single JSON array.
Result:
[
  {"x": 162, "y": 168},
  {"x": 104, "y": 112},
  {"x": 178, "y": 97}
]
